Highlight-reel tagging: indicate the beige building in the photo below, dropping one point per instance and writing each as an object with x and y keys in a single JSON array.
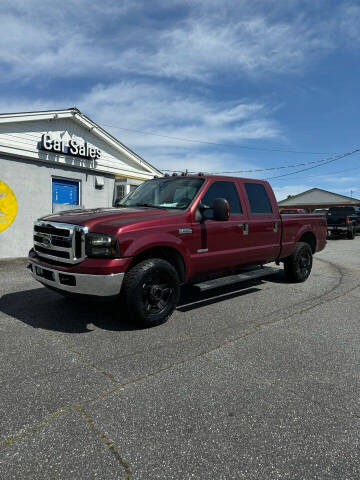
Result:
[{"x": 317, "y": 198}]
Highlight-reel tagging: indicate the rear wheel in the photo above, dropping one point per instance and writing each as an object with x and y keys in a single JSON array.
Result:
[
  {"x": 298, "y": 266},
  {"x": 351, "y": 233},
  {"x": 151, "y": 291}
]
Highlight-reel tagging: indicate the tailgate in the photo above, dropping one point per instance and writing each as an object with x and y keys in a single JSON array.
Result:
[{"x": 334, "y": 220}]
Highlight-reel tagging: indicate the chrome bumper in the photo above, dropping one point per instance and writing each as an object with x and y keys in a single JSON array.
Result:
[{"x": 78, "y": 283}]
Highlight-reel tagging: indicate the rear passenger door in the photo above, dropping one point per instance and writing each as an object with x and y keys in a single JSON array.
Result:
[{"x": 264, "y": 223}]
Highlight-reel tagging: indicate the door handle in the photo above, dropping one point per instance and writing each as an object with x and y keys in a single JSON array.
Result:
[
  {"x": 245, "y": 227},
  {"x": 275, "y": 226}
]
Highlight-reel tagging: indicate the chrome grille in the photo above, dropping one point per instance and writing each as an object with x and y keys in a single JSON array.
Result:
[{"x": 60, "y": 241}]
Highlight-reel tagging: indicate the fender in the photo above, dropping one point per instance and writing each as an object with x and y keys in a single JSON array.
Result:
[
  {"x": 140, "y": 243},
  {"x": 288, "y": 241},
  {"x": 304, "y": 229}
]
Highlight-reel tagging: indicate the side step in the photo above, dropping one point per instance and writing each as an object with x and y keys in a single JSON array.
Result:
[{"x": 241, "y": 277}]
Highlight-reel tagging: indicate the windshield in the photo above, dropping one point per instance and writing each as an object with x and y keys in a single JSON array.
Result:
[{"x": 164, "y": 193}]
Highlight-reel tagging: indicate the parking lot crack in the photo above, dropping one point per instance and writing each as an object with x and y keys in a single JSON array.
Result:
[
  {"x": 122, "y": 385},
  {"x": 81, "y": 357},
  {"x": 119, "y": 386},
  {"x": 109, "y": 443},
  {"x": 29, "y": 433}
]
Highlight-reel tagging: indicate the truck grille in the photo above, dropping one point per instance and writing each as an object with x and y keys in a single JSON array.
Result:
[{"x": 60, "y": 241}]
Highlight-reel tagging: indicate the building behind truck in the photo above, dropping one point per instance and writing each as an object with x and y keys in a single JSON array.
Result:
[{"x": 58, "y": 160}]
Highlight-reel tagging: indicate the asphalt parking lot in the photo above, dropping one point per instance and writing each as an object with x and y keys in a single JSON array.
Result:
[{"x": 255, "y": 381}]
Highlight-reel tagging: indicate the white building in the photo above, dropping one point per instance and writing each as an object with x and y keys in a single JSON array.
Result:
[{"x": 58, "y": 160}]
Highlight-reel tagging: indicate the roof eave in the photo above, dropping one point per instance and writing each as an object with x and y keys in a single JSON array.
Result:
[{"x": 86, "y": 122}]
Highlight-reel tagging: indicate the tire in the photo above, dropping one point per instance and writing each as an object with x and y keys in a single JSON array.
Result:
[
  {"x": 151, "y": 291},
  {"x": 351, "y": 234},
  {"x": 298, "y": 266}
]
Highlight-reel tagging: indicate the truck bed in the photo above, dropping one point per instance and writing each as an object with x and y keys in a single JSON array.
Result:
[{"x": 310, "y": 222}]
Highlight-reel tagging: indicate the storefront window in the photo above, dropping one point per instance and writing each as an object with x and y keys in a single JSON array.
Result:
[{"x": 120, "y": 191}]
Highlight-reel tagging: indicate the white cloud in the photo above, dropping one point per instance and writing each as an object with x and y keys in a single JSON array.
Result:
[
  {"x": 281, "y": 193},
  {"x": 206, "y": 43},
  {"x": 144, "y": 107},
  {"x": 162, "y": 109}
]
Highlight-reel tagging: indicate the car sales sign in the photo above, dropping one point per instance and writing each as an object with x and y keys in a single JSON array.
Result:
[{"x": 71, "y": 147}]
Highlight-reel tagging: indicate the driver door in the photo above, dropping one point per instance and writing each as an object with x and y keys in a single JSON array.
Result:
[{"x": 219, "y": 244}]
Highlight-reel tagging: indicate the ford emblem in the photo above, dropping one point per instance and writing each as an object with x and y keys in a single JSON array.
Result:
[{"x": 46, "y": 241}]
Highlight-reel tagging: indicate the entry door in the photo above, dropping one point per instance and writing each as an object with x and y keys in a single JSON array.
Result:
[
  {"x": 264, "y": 231},
  {"x": 218, "y": 245},
  {"x": 65, "y": 192}
]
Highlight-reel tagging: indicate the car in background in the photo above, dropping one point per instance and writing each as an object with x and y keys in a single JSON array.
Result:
[
  {"x": 321, "y": 211},
  {"x": 343, "y": 221},
  {"x": 292, "y": 211}
]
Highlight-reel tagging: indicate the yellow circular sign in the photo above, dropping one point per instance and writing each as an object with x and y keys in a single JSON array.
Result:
[{"x": 8, "y": 206}]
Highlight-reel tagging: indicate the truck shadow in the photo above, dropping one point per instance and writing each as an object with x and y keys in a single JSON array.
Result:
[{"x": 42, "y": 308}]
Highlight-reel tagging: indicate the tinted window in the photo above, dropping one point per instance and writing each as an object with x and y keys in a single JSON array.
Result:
[
  {"x": 258, "y": 198},
  {"x": 342, "y": 211},
  {"x": 222, "y": 190}
]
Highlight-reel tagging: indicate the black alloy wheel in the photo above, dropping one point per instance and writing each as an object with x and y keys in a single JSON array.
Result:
[
  {"x": 298, "y": 265},
  {"x": 351, "y": 234},
  {"x": 157, "y": 292},
  {"x": 305, "y": 262},
  {"x": 151, "y": 291}
]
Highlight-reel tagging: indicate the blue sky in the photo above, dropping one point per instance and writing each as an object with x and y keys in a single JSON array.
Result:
[{"x": 271, "y": 75}]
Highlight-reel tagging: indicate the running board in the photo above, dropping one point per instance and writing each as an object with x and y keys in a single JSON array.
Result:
[{"x": 241, "y": 277}]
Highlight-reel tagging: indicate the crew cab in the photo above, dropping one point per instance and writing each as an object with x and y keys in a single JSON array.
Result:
[
  {"x": 168, "y": 232},
  {"x": 344, "y": 220}
]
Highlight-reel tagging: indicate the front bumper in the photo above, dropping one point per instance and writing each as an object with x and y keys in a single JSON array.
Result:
[{"x": 78, "y": 283}]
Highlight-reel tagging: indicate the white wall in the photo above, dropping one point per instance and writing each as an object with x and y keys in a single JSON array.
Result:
[{"x": 31, "y": 183}]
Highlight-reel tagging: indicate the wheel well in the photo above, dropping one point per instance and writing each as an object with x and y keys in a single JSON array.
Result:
[
  {"x": 166, "y": 253},
  {"x": 309, "y": 238}
]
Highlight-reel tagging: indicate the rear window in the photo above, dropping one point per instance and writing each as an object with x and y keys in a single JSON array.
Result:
[
  {"x": 342, "y": 210},
  {"x": 258, "y": 198}
]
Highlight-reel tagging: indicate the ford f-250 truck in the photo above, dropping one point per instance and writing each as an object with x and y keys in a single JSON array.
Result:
[{"x": 171, "y": 231}]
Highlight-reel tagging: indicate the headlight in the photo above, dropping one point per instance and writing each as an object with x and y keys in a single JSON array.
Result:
[{"x": 101, "y": 246}]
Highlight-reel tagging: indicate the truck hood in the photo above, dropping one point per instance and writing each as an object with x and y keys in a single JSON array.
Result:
[{"x": 109, "y": 220}]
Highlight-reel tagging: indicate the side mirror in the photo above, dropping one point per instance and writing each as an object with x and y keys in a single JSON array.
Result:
[{"x": 221, "y": 209}]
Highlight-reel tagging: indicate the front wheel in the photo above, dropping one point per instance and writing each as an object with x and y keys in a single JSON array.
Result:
[
  {"x": 298, "y": 266},
  {"x": 151, "y": 291}
]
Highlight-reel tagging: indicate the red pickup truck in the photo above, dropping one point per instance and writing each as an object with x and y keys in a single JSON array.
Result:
[{"x": 171, "y": 231}]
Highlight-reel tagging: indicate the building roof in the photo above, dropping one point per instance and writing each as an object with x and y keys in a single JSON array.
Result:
[
  {"x": 80, "y": 118},
  {"x": 317, "y": 196}
]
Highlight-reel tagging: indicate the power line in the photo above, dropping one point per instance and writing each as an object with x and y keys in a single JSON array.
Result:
[
  {"x": 331, "y": 173},
  {"x": 323, "y": 161},
  {"x": 246, "y": 147},
  {"x": 315, "y": 166}
]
